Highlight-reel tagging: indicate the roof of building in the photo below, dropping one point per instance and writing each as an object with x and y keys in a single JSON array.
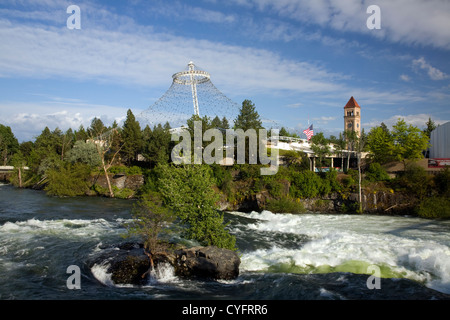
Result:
[{"x": 352, "y": 103}]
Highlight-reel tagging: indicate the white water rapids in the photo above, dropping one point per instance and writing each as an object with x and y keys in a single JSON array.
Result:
[{"x": 403, "y": 247}]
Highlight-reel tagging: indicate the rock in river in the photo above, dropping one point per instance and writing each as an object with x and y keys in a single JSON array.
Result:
[{"x": 127, "y": 263}]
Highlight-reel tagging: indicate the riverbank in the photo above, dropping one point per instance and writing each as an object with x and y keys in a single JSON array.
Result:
[{"x": 242, "y": 188}]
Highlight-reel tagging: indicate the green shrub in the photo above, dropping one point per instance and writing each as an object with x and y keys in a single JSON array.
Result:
[
  {"x": 442, "y": 182},
  {"x": 69, "y": 180},
  {"x": 285, "y": 205},
  {"x": 415, "y": 180},
  {"x": 124, "y": 193},
  {"x": 376, "y": 173},
  {"x": 305, "y": 184},
  {"x": 435, "y": 207}
]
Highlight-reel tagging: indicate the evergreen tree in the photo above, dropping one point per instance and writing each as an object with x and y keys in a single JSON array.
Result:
[
  {"x": 430, "y": 127},
  {"x": 81, "y": 134},
  {"x": 248, "y": 117},
  {"x": 132, "y": 138},
  {"x": 158, "y": 146},
  {"x": 8, "y": 144},
  {"x": 225, "y": 124},
  {"x": 96, "y": 129}
]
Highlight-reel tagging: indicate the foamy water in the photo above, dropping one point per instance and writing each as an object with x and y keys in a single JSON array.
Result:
[{"x": 402, "y": 247}]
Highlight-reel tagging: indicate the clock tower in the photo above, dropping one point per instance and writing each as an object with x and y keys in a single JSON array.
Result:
[{"x": 352, "y": 116}]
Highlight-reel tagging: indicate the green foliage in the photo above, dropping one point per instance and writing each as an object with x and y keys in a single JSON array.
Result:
[
  {"x": 248, "y": 117},
  {"x": 376, "y": 173},
  {"x": 96, "y": 129},
  {"x": 381, "y": 144},
  {"x": 68, "y": 180},
  {"x": 416, "y": 180},
  {"x": 84, "y": 152},
  {"x": 435, "y": 207},
  {"x": 158, "y": 144},
  {"x": 409, "y": 141},
  {"x": 320, "y": 146},
  {"x": 285, "y": 205},
  {"x": 248, "y": 171},
  {"x": 305, "y": 184},
  {"x": 132, "y": 138},
  {"x": 430, "y": 126},
  {"x": 8, "y": 144},
  {"x": 151, "y": 220},
  {"x": 442, "y": 182},
  {"x": 329, "y": 182},
  {"x": 188, "y": 191}
]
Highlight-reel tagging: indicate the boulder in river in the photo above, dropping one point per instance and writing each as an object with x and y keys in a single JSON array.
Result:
[
  {"x": 128, "y": 264},
  {"x": 207, "y": 262}
]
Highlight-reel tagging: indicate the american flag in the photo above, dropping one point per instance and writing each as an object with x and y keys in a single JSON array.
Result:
[{"x": 309, "y": 132}]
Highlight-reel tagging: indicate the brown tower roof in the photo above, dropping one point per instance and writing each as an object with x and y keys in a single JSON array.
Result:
[{"x": 352, "y": 103}]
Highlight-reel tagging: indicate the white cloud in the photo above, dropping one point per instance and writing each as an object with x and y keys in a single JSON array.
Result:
[
  {"x": 405, "y": 78},
  {"x": 418, "y": 120},
  {"x": 405, "y": 21},
  {"x": 147, "y": 59},
  {"x": 324, "y": 119},
  {"x": 433, "y": 73},
  {"x": 27, "y": 120},
  {"x": 294, "y": 105}
]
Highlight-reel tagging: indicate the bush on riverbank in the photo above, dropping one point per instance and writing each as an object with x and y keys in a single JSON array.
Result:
[
  {"x": 434, "y": 207},
  {"x": 285, "y": 205},
  {"x": 68, "y": 180}
]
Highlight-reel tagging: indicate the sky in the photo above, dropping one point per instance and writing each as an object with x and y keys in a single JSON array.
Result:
[{"x": 298, "y": 61}]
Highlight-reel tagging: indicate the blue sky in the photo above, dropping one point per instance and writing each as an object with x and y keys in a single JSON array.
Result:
[{"x": 299, "y": 61}]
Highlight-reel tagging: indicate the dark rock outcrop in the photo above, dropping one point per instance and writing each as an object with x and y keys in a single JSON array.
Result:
[
  {"x": 128, "y": 264},
  {"x": 207, "y": 262}
]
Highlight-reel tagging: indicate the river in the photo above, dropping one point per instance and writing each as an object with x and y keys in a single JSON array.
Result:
[{"x": 283, "y": 256}]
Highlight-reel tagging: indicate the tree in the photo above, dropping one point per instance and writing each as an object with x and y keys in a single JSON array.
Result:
[
  {"x": 81, "y": 134},
  {"x": 84, "y": 152},
  {"x": 360, "y": 145},
  {"x": 381, "y": 144},
  {"x": 132, "y": 138},
  {"x": 68, "y": 180},
  {"x": 351, "y": 138},
  {"x": 409, "y": 142},
  {"x": 341, "y": 144},
  {"x": 320, "y": 147},
  {"x": 108, "y": 145},
  {"x": 8, "y": 144},
  {"x": 248, "y": 117},
  {"x": 68, "y": 139},
  {"x": 430, "y": 127},
  {"x": 97, "y": 127},
  {"x": 150, "y": 221},
  {"x": 19, "y": 162},
  {"x": 188, "y": 191},
  {"x": 157, "y": 146}
]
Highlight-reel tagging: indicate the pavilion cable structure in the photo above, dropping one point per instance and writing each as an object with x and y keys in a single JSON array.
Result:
[{"x": 191, "y": 93}]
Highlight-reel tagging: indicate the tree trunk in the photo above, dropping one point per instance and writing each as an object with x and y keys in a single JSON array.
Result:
[
  {"x": 20, "y": 177},
  {"x": 152, "y": 265},
  {"x": 359, "y": 183},
  {"x": 111, "y": 193}
]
